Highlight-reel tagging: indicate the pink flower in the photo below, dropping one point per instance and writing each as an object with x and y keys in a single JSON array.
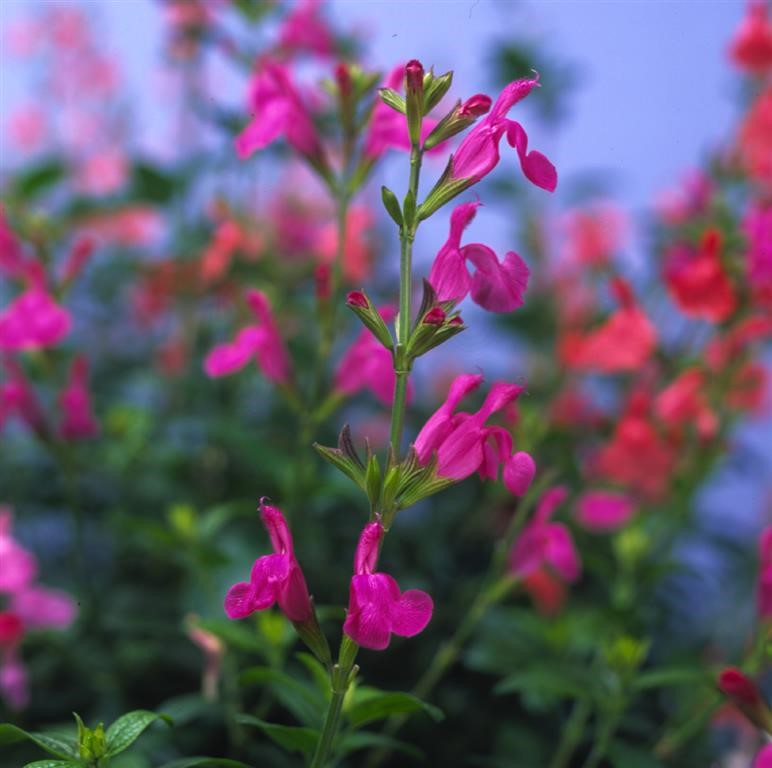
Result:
[
  {"x": 603, "y": 511},
  {"x": 43, "y": 608},
  {"x": 478, "y": 153},
  {"x": 758, "y": 231},
  {"x": 33, "y": 320},
  {"x": 462, "y": 442},
  {"x": 543, "y": 543},
  {"x": 593, "y": 235},
  {"x": 13, "y": 681},
  {"x": 78, "y": 421},
  {"x": 764, "y": 758},
  {"x": 104, "y": 172},
  {"x": 764, "y": 588},
  {"x": 745, "y": 695},
  {"x": 304, "y": 30},
  {"x": 12, "y": 260},
  {"x": 518, "y": 474},
  {"x": 377, "y": 608},
  {"x": 17, "y": 398},
  {"x": 623, "y": 342},
  {"x": 697, "y": 280},
  {"x": 278, "y": 111},
  {"x": 18, "y": 567},
  {"x": 357, "y": 248},
  {"x": 275, "y": 578},
  {"x": 368, "y": 365},
  {"x": 751, "y": 47},
  {"x": 684, "y": 403},
  {"x": 262, "y": 341},
  {"x": 495, "y": 286}
]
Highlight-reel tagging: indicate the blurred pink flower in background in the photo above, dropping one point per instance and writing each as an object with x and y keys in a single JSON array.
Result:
[
  {"x": 28, "y": 128},
  {"x": 78, "y": 421},
  {"x": 367, "y": 364},
  {"x": 29, "y": 607},
  {"x": 593, "y": 235},
  {"x": 262, "y": 342},
  {"x": 304, "y": 30},
  {"x": 603, "y": 511}
]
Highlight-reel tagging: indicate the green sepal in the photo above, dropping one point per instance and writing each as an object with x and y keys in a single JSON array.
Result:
[
  {"x": 435, "y": 87},
  {"x": 392, "y": 99},
  {"x": 391, "y": 204}
]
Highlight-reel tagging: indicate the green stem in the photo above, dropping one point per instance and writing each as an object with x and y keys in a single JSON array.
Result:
[
  {"x": 401, "y": 361},
  {"x": 572, "y": 734},
  {"x": 340, "y": 679},
  {"x": 606, "y": 730}
]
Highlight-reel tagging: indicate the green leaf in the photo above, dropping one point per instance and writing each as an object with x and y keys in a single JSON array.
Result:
[
  {"x": 391, "y": 204},
  {"x": 289, "y": 737},
  {"x": 152, "y": 184},
  {"x": 661, "y": 678},
  {"x": 53, "y": 764},
  {"x": 37, "y": 179},
  {"x": 128, "y": 728},
  {"x": 556, "y": 682},
  {"x": 298, "y": 698},
  {"x": 318, "y": 672},
  {"x": 205, "y": 762},
  {"x": 61, "y": 746},
  {"x": 378, "y": 705},
  {"x": 369, "y": 740},
  {"x": 623, "y": 755}
]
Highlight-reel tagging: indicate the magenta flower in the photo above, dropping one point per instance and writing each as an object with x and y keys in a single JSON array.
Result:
[
  {"x": 12, "y": 261},
  {"x": 261, "y": 341},
  {"x": 764, "y": 758},
  {"x": 518, "y": 473},
  {"x": 275, "y": 578},
  {"x": 43, "y": 608},
  {"x": 543, "y": 543},
  {"x": 478, "y": 153},
  {"x": 377, "y": 608},
  {"x": 33, "y": 320},
  {"x": 462, "y": 442},
  {"x": 17, "y": 398},
  {"x": 603, "y": 511},
  {"x": 13, "y": 681},
  {"x": 368, "y": 365},
  {"x": 78, "y": 421},
  {"x": 278, "y": 110},
  {"x": 495, "y": 286},
  {"x": 764, "y": 588},
  {"x": 18, "y": 566},
  {"x": 305, "y": 30}
]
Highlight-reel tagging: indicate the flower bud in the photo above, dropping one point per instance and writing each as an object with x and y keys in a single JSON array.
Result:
[
  {"x": 744, "y": 694},
  {"x": 414, "y": 99},
  {"x": 363, "y": 308},
  {"x": 458, "y": 119}
]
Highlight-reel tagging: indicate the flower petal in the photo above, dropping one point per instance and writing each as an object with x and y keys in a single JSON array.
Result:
[{"x": 412, "y": 613}]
